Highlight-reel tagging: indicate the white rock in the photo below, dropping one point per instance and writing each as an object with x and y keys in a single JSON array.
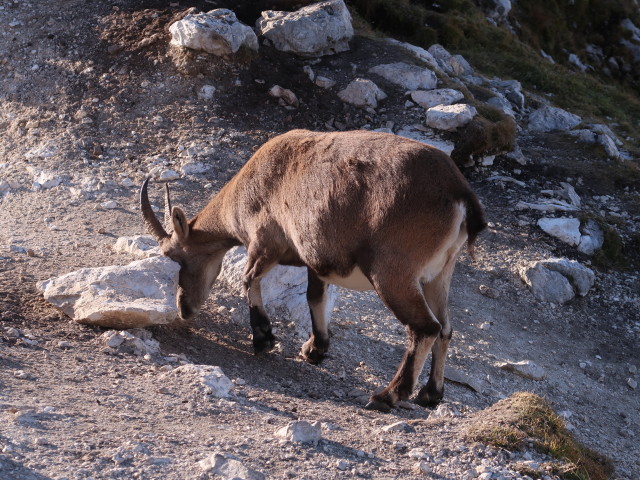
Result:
[
  {"x": 632, "y": 383},
  {"x": 609, "y": 146},
  {"x": 497, "y": 10},
  {"x": 402, "y": 427},
  {"x": 168, "y": 175},
  {"x": 283, "y": 289},
  {"x": 445, "y": 410},
  {"x": 450, "y": 117},
  {"x": 301, "y": 432},
  {"x": 136, "y": 295},
  {"x": 580, "y": 277},
  {"x": 218, "y": 32},
  {"x": 228, "y": 468},
  {"x": 47, "y": 180},
  {"x": 502, "y": 104},
  {"x": 592, "y": 238},
  {"x": 552, "y": 119},
  {"x": 547, "y": 285},
  {"x": 410, "y": 77},
  {"x": 206, "y": 92},
  {"x": 194, "y": 168},
  {"x": 285, "y": 94},
  {"x": 426, "y": 136},
  {"x": 112, "y": 338},
  {"x": 362, "y": 92},
  {"x": 453, "y": 64},
  {"x": 440, "y": 96},
  {"x": 142, "y": 246},
  {"x": 565, "y": 229},
  {"x": 418, "y": 454},
  {"x": 212, "y": 378},
  {"x": 525, "y": 368},
  {"x": 576, "y": 62},
  {"x": 324, "y": 82},
  {"x": 323, "y": 28},
  {"x": 109, "y": 204}
]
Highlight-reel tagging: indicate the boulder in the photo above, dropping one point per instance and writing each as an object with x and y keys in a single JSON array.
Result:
[
  {"x": 552, "y": 119},
  {"x": 592, "y": 238},
  {"x": 410, "y": 77},
  {"x": 362, "y": 92},
  {"x": 565, "y": 229},
  {"x": 453, "y": 64},
  {"x": 323, "y": 28},
  {"x": 228, "y": 468},
  {"x": 136, "y": 295},
  {"x": 450, "y": 117},
  {"x": 440, "y": 96},
  {"x": 301, "y": 432},
  {"x": 284, "y": 289},
  {"x": 501, "y": 103},
  {"x": 218, "y": 32},
  {"x": 419, "y": 52},
  {"x": 143, "y": 246},
  {"x": 558, "y": 280}
]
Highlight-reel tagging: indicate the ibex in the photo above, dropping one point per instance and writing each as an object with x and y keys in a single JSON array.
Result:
[{"x": 359, "y": 209}]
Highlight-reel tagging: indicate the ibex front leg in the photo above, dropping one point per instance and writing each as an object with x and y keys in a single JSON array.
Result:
[
  {"x": 257, "y": 266},
  {"x": 314, "y": 350},
  {"x": 407, "y": 303}
]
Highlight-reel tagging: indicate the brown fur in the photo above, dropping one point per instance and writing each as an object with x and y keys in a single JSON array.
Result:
[{"x": 332, "y": 202}]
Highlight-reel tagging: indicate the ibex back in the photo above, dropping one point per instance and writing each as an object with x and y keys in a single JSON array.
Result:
[{"x": 359, "y": 209}]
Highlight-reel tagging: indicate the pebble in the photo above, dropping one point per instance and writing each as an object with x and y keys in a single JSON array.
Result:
[
  {"x": 402, "y": 427},
  {"x": 110, "y": 205},
  {"x": 485, "y": 326},
  {"x": 21, "y": 374},
  {"x": 489, "y": 292},
  {"x": 633, "y": 369},
  {"x": 167, "y": 175},
  {"x": 632, "y": 383},
  {"x": 64, "y": 344},
  {"x": 342, "y": 465},
  {"x": 423, "y": 467},
  {"x": 301, "y": 432},
  {"x": 12, "y": 332}
]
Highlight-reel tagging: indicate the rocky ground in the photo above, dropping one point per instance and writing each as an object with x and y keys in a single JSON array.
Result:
[{"x": 89, "y": 110}]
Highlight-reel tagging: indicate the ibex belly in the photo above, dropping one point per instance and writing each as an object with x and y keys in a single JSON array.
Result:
[{"x": 356, "y": 280}]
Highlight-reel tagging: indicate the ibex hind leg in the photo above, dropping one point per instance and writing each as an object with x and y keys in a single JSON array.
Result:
[
  {"x": 315, "y": 349},
  {"x": 258, "y": 266},
  {"x": 407, "y": 302}
]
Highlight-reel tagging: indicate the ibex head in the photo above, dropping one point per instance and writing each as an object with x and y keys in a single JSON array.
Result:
[{"x": 200, "y": 261}]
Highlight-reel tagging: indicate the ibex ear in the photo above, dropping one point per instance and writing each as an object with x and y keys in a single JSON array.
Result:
[{"x": 180, "y": 223}]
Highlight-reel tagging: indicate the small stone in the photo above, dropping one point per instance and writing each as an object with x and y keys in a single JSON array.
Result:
[
  {"x": 489, "y": 292},
  {"x": 168, "y": 175},
  {"x": 12, "y": 332},
  {"x": 21, "y": 374},
  {"x": 110, "y": 205},
  {"x": 228, "y": 468},
  {"x": 525, "y": 368},
  {"x": 632, "y": 383},
  {"x": 285, "y": 94},
  {"x": 342, "y": 465},
  {"x": 64, "y": 344},
  {"x": 418, "y": 454},
  {"x": 324, "y": 82},
  {"x": 485, "y": 326},
  {"x": 301, "y": 432},
  {"x": 402, "y": 427},
  {"x": 206, "y": 92},
  {"x": 633, "y": 369}
]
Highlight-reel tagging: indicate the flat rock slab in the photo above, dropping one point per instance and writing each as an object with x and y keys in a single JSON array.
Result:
[
  {"x": 439, "y": 96},
  {"x": 450, "y": 117},
  {"x": 552, "y": 119},
  {"x": 411, "y": 77},
  {"x": 140, "y": 294},
  {"x": 323, "y": 28}
]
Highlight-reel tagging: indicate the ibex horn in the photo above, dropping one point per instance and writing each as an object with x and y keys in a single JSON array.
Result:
[{"x": 154, "y": 227}]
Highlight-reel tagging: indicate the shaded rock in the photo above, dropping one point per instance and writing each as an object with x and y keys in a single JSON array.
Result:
[
  {"x": 453, "y": 64},
  {"x": 445, "y": 410},
  {"x": 323, "y": 28},
  {"x": 324, "y": 82},
  {"x": 194, "y": 168},
  {"x": 228, "y": 468},
  {"x": 410, "y": 77},
  {"x": 301, "y": 432},
  {"x": 497, "y": 10},
  {"x": 592, "y": 238},
  {"x": 525, "y": 368},
  {"x": 580, "y": 277},
  {"x": 419, "y": 52},
  {"x": 402, "y": 427},
  {"x": 143, "y": 246},
  {"x": 440, "y": 96},
  {"x": 211, "y": 378},
  {"x": 609, "y": 146},
  {"x": 206, "y": 92},
  {"x": 426, "y": 136},
  {"x": 565, "y": 229},
  {"x": 46, "y": 180},
  {"x": 283, "y": 289},
  {"x": 285, "y": 94},
  {"x": 450, "y": 117},
  {"x": 135, "y": 295},
  {"x": 501, "y": 103},
  {"x": 218, "y": 32},
  {"x": 137, "y": 341},
  {"x": 552, "y": 119},
  {"x": 456, "y": 376},
  {"x": 362, "y": 92}
]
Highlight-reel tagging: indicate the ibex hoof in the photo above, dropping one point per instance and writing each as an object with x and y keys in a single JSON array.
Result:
[
  {"x": 311, "y": 354},
  {"x": 264, "y": 345},
  {"x": 429, "y": 397},
  {"x": 378, "y": 405}
]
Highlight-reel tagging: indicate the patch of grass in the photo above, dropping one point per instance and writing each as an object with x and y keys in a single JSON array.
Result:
[{"x": 525, "y": 417}]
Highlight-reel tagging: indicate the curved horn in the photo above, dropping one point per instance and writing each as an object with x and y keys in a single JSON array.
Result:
[
  {"x": 154, "y": 227},
  {"x": 168, "y": 226}
]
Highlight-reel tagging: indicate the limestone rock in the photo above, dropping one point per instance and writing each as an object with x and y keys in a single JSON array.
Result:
[
  {"x": 287, "y": 96},
  {"x": 136, "y": 295},
  {"x": 143, "y": 246},
  {"x": 558, "y": 280},
  {"x": 410, "y": 77},
  {"x": 497, "y": 10},
  {"x": 228, "y": 468},
  {"x": 301, "y": 432},
  {"x": 283, "y": 289},
  {"x": 592, "y": 238},
  {"x": 362, "y": 92},
  {"x": 450, "y": 117},
  {"x": 424, "y": 135},
  {"x": 440, "y": 96},
  {"x": 218, "y": 32},
  {"x": 402, "y": 427},
  {"x": 419, "y": 52},
  {"x": 580, "y": 277},
  {"x": 525, "y": 368},
  {"x": 452, "y": 64},
  {"x": 552, "y": 119},
  {"x": 211, "y": 378},
  {"x": 323, "y": 28},
  {"x": 565, "y": 229}
]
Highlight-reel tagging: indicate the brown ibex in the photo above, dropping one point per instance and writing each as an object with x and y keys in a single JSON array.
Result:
[{"x": 359, "y": 209}]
